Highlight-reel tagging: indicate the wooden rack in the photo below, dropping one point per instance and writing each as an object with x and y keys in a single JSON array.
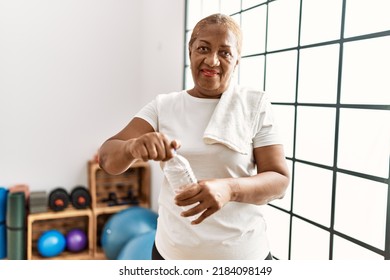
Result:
[{"x": 130, "y": 188}]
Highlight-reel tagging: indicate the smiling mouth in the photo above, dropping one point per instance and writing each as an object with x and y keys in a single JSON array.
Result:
[{"x": 209, "y": 73}]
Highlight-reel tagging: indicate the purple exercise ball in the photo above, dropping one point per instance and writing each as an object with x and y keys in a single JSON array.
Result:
[{"x": 76, "y": 240}]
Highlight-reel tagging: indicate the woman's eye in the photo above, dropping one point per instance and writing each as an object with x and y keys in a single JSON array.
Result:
[
  {"x": 225, "y": 54},
  {"x": 202, "y": 49}
]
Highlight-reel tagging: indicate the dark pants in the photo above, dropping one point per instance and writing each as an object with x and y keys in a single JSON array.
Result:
[{"x": 156, "y": 255}]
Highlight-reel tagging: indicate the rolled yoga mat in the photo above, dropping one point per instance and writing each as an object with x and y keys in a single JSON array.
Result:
[
  {"x": 16, "y": 226},
  {"x": 3, "y": 231}
]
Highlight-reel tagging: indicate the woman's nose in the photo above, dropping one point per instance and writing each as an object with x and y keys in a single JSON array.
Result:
[{"x": 212, "y": 59}]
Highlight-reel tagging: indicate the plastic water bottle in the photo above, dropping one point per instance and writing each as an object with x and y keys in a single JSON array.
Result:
[{"x": 178, "y": 172}]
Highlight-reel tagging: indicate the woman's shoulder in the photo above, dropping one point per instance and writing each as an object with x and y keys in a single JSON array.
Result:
[{"x": 167, "y": 100}]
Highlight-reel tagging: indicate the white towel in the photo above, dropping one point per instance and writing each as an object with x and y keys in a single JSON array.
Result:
[{"x": 234, "y": 119}]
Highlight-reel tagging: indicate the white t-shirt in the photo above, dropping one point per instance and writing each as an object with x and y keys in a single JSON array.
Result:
[{"x": 238, "y": 230}]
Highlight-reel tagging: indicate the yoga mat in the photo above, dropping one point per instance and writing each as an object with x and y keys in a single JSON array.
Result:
[
  {"x": 16, "y": 244},
  {"x": 16, "y": 221},
  {"x": 3, "y": 231}
]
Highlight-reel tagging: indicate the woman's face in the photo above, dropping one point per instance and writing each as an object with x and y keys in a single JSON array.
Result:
[{"x": 213, "y": 57}]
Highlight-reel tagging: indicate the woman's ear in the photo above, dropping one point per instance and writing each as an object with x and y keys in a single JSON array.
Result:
[{"x": 237, "y": 63}]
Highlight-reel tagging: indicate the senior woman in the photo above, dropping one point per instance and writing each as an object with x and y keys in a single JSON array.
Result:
[{"x": 228, "y": 134}]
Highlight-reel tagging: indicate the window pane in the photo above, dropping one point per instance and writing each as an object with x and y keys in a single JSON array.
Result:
[
  {"x": 363, "y": 17},
  {"x": 283, "y": 19},
  {"x": 235, "y": 77},
  {"x": 229, "y": 7},
  {"x": 308, "y": 242},
  {"x": 321, "y": 21},
  {"x": 313, "y": 193},
  {"x": 364, "y": 141},
  {"x": 252, "y": 72},
  {"x": 366, "y": 71},
  {"x": 318, "y": 71},
  {"x": 187, "y": 56},
  {"x": 250, "y": 3},
  {"x": 281, "y": 76},
  {"x": 237, "y": 18},
  {"x": 346, "y": 250},
  {"x": 285, "y": 202},
  {"x": 361, "y": 209},
  {"x": 253, "y": 30},
  {"x": 278, "y": 228},
  {"x": 285, "y": 118},
  {"x": 315, "y": 134},
  {"x": 194, "y": 12},
  {"x": 210, "y": 7},
  {"x": 189, "y": 81}
]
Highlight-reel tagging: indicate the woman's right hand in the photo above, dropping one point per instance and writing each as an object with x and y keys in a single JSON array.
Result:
[
  {"x": 137, "y": 141},
  {"x": 151, "y": 146}
]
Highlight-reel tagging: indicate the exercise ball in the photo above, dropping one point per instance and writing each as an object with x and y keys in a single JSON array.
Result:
[
  {"x": 124, "y": 226},
  {"x": 76, "y": 240},
  {"x": 51, "y": 243},
  {"x": 138, "y": 248}
]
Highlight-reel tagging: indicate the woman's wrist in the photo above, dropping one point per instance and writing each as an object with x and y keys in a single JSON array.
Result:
[
  {"x": 234, "y": 189},
  {"x": 128, "y": 147}
]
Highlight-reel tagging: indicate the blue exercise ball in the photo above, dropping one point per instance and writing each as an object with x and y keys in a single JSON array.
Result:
[
  {"x": 138, "y": 248},
  {"x": 124, "y": 226},
  {"x": 51, "y": 243}
]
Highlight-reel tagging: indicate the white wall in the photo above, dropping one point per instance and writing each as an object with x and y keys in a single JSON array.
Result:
[
  {"x": 162, "y": 58},
  {"x": 72, "y": 73}
]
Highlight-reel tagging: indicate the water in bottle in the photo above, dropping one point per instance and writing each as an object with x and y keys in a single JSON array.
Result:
[{"x": 178, "y": 172}]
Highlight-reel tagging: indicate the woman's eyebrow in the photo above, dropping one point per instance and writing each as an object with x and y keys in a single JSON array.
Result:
[
  {"x": 208, "y": 43},
  {"x": 205, "y": 42}
]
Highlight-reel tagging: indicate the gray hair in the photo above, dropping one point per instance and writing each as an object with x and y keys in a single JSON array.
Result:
[{"x": 221, "y": 19}]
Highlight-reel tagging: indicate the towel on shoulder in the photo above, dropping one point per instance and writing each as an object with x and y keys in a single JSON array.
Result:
[{"x": 237, "y": 118}]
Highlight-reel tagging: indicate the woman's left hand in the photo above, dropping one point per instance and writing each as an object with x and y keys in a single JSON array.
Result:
[{"x": 209, "y": 195}]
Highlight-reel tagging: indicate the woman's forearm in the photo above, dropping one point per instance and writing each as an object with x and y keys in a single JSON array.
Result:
[
  {"x": 117, "y": 154},
  {"x": 113, "y": 156},
  {"x": 212, "y": 195},
  {"x": 260, "y": 188}
]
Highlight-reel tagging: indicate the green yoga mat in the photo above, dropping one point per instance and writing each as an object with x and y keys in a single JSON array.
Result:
[{"x": 16, "y": 226}]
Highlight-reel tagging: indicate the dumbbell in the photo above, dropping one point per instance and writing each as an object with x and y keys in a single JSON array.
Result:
[
  {"x": 111, "y": 200},
  {"x": 114, "y": 200},
  {"x": 80, "y": 197},
  {"x": 58, "y": 199},
  {"x": 130, "y": 198}
]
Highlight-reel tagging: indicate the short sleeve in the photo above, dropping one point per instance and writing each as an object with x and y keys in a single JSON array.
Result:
[
  {"x": 149, "y": 114},
  {"x": 266, "y": 130}
]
